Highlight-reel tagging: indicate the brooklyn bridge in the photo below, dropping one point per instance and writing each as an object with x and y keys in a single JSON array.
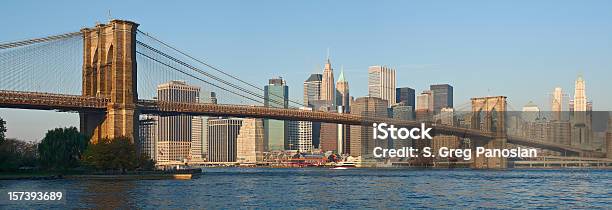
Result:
[{"x": 117, "y": 61}]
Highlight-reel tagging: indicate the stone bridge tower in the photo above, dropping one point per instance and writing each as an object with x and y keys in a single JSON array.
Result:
[
  {"x": 109, "y": 71},
  {"x": 489, "y": 114}
]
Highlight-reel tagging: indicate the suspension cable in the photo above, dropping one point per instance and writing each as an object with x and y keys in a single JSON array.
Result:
[
  {"x": 203, "y": 72},
  {"x": 195, "y": 77},
  {"x": 212, "y": 67},
  {"x": 38, "y": 40}
]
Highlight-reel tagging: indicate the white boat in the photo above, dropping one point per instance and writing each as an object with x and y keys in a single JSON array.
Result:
[{"x": 344, "y": 165}]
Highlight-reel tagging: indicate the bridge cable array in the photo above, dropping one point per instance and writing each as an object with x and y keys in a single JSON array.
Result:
[
  {"x": 216, "y": 69},
  {"x": 49, "y": 64},
  {"x": 38, "y": 40},
  {"x": 195, "y": 77}
]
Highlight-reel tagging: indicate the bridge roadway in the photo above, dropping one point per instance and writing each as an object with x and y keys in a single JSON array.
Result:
[{"x": 77, "y": 103}]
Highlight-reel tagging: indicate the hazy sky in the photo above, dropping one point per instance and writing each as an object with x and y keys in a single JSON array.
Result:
[{"x": 520, "y": 49}]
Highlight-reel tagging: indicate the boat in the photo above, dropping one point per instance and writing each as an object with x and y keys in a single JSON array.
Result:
[{"x": 344, "y": 165}]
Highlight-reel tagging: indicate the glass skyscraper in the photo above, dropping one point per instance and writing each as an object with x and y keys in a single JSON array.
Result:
[
  {"x": 406, "y": 95},
  {"x": 276, "y": 94},
  {"x": 442, "y": 96}
]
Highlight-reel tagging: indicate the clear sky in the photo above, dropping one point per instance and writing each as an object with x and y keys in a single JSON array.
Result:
[{"x": 520, "y": 49}]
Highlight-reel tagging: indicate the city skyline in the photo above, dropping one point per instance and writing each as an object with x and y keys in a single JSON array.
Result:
[
  {"x": 292, "y": 104},
  {"x": 455, "y": 60}
]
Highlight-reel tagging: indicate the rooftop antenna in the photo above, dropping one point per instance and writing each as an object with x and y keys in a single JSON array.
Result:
[
  {"x": 328, "y": 53},
  {"x": 110, "y": 17}
]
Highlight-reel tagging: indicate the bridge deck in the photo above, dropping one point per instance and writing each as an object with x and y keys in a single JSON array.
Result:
[{"x": 76, "y": 103}]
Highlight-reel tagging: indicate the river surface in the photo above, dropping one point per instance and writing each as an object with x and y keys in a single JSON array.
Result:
[{"x": 326, "y": 188}]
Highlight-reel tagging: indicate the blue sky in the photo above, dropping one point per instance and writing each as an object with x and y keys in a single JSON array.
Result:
[{"x": 520, "y": 49}]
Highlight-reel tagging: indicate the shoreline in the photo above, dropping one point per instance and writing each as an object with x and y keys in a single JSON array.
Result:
[
  {"x": 189, "y": 176},
  {"x": 134, "y": 176}
]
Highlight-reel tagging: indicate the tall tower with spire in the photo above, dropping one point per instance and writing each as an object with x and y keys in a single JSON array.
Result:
[
  {"x": 343, "y": 102},
  {"x": 580, "y": 99},
  {"x": 581, "y": 132},
  {"x": 342, "y": 88},
  {"x": 327, "y": 84}
]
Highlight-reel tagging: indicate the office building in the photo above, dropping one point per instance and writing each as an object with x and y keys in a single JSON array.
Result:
[
  {"x": 222, "y": 139},
  {"x": 531, "y": 112},
  {"x": 329, "y": 137},
  {"x": 580, "y": 99},
  {"x": 580, "y": 124},
  {"x": 342, "y": 92},
  {"x": 276, "y": 94},
  {"x": 174, "y": 132},
  {"x": 362, "y": 142},
  {"x": 199, "y": 128},
  {"x": 402, "y": 111},
  {"x": 328, "y": 90},
  {"x": 424, "y": 106},
  {"x": 381, "y": 83},
  {"x": 312, "y": 89},
  {"x": 300, "y": 135},
  {"x": 442, "y": 97},
  {"x": 147, "y": 136},
  {"x": 557, "y": 104},
  {"x": 445, "y": 117},
  {"x": 561, "y": 131},
  {"x": 250, "y": 146},
  {"x": 406, "y": 95}
]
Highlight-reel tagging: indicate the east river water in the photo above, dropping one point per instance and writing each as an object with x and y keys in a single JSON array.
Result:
[{"x": 327, "y": 188}]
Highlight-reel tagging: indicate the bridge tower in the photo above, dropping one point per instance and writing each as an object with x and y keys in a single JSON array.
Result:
[
  {"x": 489, "y": 114},
  {"x": 109, "y": 71}
]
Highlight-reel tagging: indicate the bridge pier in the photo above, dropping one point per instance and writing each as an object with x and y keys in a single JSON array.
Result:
[
  {"x": 489, "y": 114},
  {"x": 489, "y": 162},
  {"x": 109, "y": 71}
]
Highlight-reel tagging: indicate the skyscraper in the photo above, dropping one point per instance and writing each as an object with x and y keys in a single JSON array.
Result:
[
  {"x": 312, "y": 89},
  {"x": 300, "y": 135},
  {"x": 276, "y": 94},
  {"x": 402, "y": 111},
  {"x": 531, "y": 112},
  {"x": 147, "y": 136},
  {"x": 199, "y": 127},
  {"x": 329, "y": 137},
  {"x": 334, "y": 137},
  {"x": 556, "y": 103},
  {"x": 424, "y": 106},
  {"x": 342, "y": 88},
  {"x": 381, "y": 83},
  {"x": 362, "y": 142},
  {"x": 328, "y": 90},
  {"x": 442, "y": 97},
  {"x": 406, "y": 95},
  {"x": 222, "y": 138},
  {"x": 250, "y": 142},
  {"x": 445, "y": 117},
  {"x": 581, "y": 130},
  {"x": 580, "y": 99},
  {"x": 174, "y": 132}
]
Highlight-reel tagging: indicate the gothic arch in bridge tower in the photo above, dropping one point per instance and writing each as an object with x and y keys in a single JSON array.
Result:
[{"x": 489, "y": 114}]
